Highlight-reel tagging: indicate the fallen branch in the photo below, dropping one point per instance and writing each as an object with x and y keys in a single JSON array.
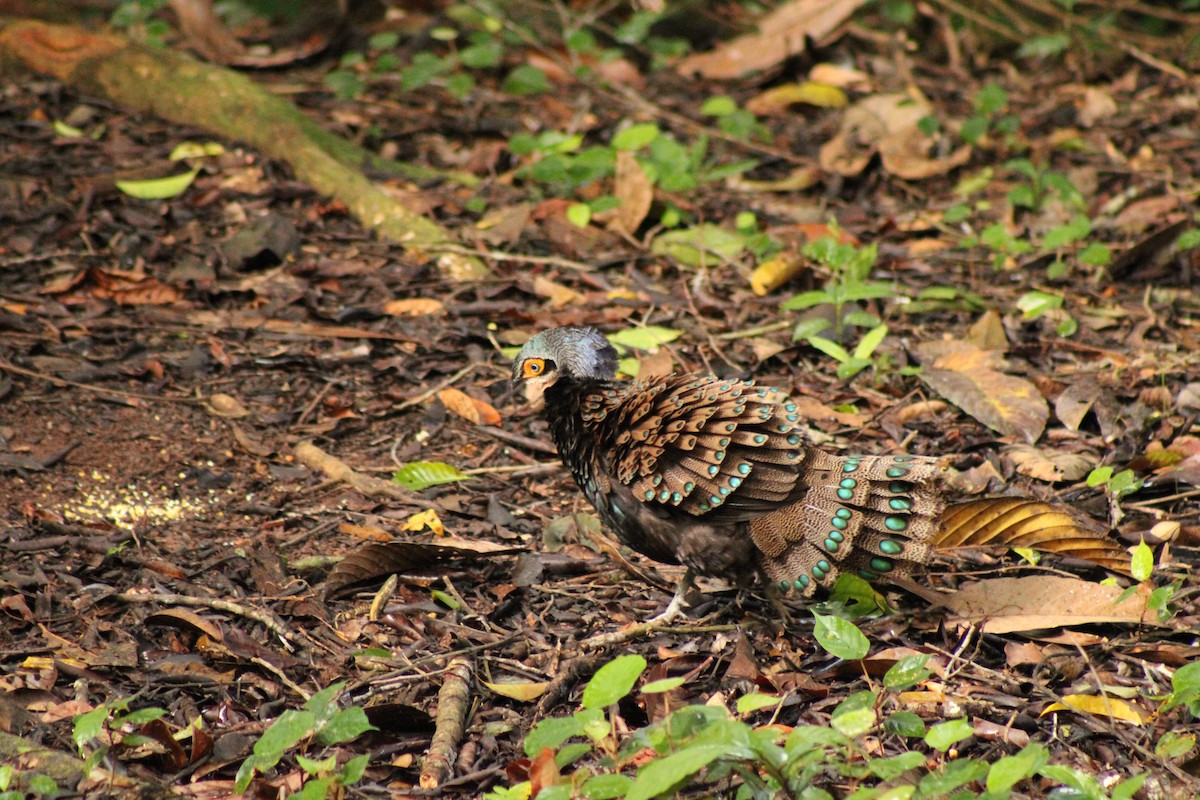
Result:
[
  {"x": 180, "y": 89},
  {"x": 454, "y": 701}
]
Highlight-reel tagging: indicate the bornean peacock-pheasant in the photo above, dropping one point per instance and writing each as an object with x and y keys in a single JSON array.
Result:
[{"x": 715, "y": 474}]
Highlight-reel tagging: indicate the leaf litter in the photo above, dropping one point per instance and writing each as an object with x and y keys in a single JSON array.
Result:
[{"x": 181, "y": 380}]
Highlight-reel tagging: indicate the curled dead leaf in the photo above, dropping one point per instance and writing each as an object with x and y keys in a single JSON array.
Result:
[
  {"x": 226, "y": 406},
  {"x": 1049, "y": 466},
  {"x": 467, "y": 407},
  {"x": 414, "y": 307}
]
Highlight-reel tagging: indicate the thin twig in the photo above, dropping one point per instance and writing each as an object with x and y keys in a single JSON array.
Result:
[{"x": 8, "y": 366}]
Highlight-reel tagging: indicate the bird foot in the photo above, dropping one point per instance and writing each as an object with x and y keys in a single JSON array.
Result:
[
  {"x": 673, "y": 610},
  {"x": 675, "y": 607}
]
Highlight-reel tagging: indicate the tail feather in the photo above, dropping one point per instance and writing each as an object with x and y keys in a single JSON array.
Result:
[{"x": 872, "y": 515}]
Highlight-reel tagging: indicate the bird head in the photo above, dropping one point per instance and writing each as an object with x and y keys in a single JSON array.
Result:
[{"x": 576, "y": 353}]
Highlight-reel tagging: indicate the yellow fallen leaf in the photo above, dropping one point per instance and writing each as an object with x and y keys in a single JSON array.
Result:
[
  {"x": 773, "y": 273},
  {"x": 425, "y": 519},
  {"x": 1096, "y": 704},
  {"x": 557, "y": 294},
  {"x": 525, "y": 691},
  {"x": 777, "y": 99},
  {"x": 414, "y": 307}
]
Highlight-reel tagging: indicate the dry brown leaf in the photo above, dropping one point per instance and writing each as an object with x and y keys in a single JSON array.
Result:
[
  {"x": 1005, "y": 605},
  {"x": 1074, "y": 402},
  {"x": 467, "y": 407},
  {"x": 555, "y": 293},
  {"x": 1049, "y": 466},
  {"x": 782, "y": 35},
  {"x": 226, "y": 406},
  {"x": 888, "y": 124},
  {"x": 414, "y": 307},
  {"x": 633, "y": 188},
  {"x": 987, "y": 333},
  {"x": 836, "y": 75},
  {"x": 968, "y": 377},
  {"x": 923, "y": 410}
]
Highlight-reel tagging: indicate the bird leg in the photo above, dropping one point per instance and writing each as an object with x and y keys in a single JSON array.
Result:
[{"x": 675, "y": 607}]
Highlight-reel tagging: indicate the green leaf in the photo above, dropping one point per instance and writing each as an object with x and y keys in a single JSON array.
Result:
[
  {"x": 889, "y": 769},
  {"x": 905, "y": 723},
  {"x": 484, "y": 55},
  {"x": 648, "y": 337},
  {"x": 1188, "y": 240},
  {"x": 1042, "y": 46},
  {"x": 663, "y": 685},
  {"x": 663, "y": 774},
  {"x": 526, "y": 80},
  {"x": 703, "y": 245},
  {"x": 422, "y": 474},
  {"x": 552, "y": 732},
  {"x": 384, "y": 40},
  {"x": 719, "y": 106},
  {"x": 1124, "y": 482},
  {"x": 1006, "y": 772},
  {"x": 289, "y": 728},
  {"x": 1174, "y": 746},
  {"x": 807, "y": 300},
  {"x": 952, "y": 776},
  {"x": 1099, "y": 476},
  {"x": 866, "y": 291},
  {"x": 907, "y": 672},
  {"x": 840, "y": 637},
  {"x": 830, "y": 348},
  {"x": 991, "y": 99},
  {"x": 579, "y": 214},
  {"x": 1075, "y": 230},
  {"x": 1095, "y": 255},
  {"x": 613, "y": 681},
  {"x": 945, "y": 735},
  {"x": 854, "y": 723},
  {"x": 1035, "y": 303},
  {"x": 315, "y": 767},
  {"x": 1185, "y": 688},
  {"x": 754, "y": 702},
  {"x": 159, "y": 188},
  {"x": 1142, "y": 564},
  {"x": 1128, "y": 787},
  {"x": 88, "y": 725},
  {"x": 352, "y": 771},
  {"x": 346, "y": 725},
  {"x": 808, "y": 328},
  {"x": 870, "y": 340},
  {"x": 635, "y": 137},
  {"x": 606, "y": 787}
]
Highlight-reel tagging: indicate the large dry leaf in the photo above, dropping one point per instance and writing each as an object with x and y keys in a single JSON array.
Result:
[
  {"x": 1020, "y": 522},
  {"x": 968, "y": 377},
  {"x": 373, "y": 561},
  {"x": 888, "y": 124},
  {"x": 1051, "y": 466},
  {"x": 782, "y": 35},
  {"x": 632, "y": 187},
  {"x": 1074, "y": 402},
  {"x": 1005, "y": 605}
]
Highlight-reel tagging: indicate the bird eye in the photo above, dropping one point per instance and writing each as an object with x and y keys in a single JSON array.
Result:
[{"x": 534, "y": 367}]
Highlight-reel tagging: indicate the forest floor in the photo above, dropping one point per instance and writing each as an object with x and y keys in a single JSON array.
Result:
[{"x": 161, "y": 360}]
